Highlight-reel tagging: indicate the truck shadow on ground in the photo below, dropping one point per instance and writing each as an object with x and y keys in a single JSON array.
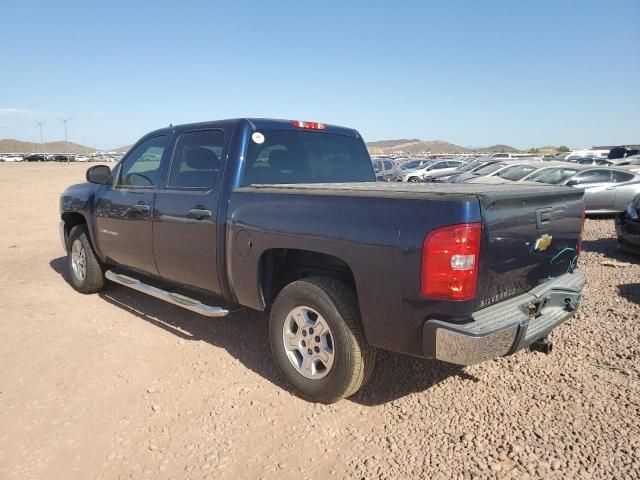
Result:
[
  {"x": 244, "y": 335},
  {"x": 630, "y": 291},
  {"x": 607, "y": 247}
]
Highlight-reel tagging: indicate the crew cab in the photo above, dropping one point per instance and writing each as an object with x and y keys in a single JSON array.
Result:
[{"x": 286, "y": 217}]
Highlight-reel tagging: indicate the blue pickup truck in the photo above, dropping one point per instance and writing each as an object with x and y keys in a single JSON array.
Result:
[{"x": 286, "y": 217}]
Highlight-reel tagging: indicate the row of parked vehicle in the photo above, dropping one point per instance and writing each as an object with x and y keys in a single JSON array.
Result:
[
  {"x": 609, "y": 184},
  {"x": 45, "y": 157}
]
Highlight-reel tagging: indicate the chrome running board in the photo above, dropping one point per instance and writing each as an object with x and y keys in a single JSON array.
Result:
[{"x": 175, "y": 298}]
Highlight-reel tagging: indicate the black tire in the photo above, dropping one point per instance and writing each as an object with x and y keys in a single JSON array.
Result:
[
  {"x": 414, "y": 180},
  {"x": 353, "y": 357},
  {"x": 93, "y": 280}
]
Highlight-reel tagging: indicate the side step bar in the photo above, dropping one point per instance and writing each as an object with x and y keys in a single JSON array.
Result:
[{"x": 175, "y": 298}]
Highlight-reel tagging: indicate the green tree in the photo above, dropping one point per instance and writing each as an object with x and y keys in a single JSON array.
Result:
[{"x": 563, "y": 149}]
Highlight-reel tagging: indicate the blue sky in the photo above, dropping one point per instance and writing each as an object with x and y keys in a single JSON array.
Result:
[{"x": 471, "y": 72}]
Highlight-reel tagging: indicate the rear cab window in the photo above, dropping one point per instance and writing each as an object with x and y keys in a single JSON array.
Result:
[{"x": 291, "y": 156}]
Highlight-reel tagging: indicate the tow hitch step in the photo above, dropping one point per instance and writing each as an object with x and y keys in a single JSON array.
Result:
[
  {"x": 544, "y": 345},
  {"x": 175, "y": 298}
]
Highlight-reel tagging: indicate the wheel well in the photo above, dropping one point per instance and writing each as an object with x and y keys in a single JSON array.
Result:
[
  {"x": 280, "y": 266},
  {"x": 71, "y": 219}
]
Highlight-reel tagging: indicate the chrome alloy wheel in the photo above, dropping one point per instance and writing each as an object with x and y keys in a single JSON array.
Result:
[
  {"x": 308, "y": 342},
  {"x": 78, "y": 259}
]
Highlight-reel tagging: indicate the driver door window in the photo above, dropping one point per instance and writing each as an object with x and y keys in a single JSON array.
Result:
[{"x": 142, "y": 166}]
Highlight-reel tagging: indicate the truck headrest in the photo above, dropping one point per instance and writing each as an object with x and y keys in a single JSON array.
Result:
[
  {"x": 281, "y": 160},
  {"x": 201, "y": 158}
]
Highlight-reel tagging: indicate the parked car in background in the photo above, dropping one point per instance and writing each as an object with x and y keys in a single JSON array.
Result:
[
  {"x": 11, "y": 157},
  {"x": 622, "y": 152},
  {"x": 387, "y": 170},
  {"x": 628, "y": 227},
  {"x": 586, "y": 153},
  {"x": 632, "y": 160},
  {"x": 606, "y": 190},
  {"x": 485, "y": 171},
  {"x": 36, "y": 157},
  {"x": 434, "y": 167},
  {"x": 415, "y": 164},
  {"x": 593, "y": 161},
  {"x": 515, "y": 173},
  {"x": 63, "y": 158},
  {"x": 472, "y": 166}
]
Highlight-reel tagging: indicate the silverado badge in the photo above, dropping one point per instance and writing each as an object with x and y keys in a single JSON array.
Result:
[{"x": 543, "y": 242}]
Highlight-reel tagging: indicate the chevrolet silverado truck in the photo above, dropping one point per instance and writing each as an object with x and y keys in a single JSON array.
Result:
[{"x": 286, "y": 217}]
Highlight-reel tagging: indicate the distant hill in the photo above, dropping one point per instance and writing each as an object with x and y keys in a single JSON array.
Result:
[
  {"x": 9, "y": 145},
  {"x": 414, "y": 146},
  {"x": 498, "y": 148},
  {"x": 392, "y": 143},
  {"x": 124, "y": 149}
]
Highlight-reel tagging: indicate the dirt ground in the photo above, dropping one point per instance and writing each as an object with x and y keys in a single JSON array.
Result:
[{"x": 119, "y": 385}]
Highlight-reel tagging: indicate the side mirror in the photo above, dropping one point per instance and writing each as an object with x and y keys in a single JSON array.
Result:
[
  {"x": 572, "y": 183},
  {"x": 99, "y": 174}
]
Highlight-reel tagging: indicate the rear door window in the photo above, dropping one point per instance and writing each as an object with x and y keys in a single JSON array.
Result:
[
  {"x": 196, "y": 159},
  {"x": 619, "y": 177}
]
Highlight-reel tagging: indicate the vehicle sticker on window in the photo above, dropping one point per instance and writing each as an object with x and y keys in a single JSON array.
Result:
[{"x": 257, "y": 137}]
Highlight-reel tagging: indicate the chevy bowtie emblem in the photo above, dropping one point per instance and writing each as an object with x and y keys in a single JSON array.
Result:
[{"x": 543, "y": 242}]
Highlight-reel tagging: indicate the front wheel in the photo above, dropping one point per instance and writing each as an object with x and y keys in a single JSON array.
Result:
[
  {"x": 87, "y": 274},
  {"x": 317, "y": 341},
  {"x": 414, "y": 180}
]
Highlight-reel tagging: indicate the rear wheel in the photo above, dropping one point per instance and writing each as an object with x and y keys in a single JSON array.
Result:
[
  {"x": 317, "y": 341},
  {"x": 87, "y": 274}
]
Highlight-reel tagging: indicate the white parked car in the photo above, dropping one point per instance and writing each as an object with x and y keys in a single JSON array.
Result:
[
  {"x": 431, "y": 168},
  {"x": 12, "y": 158}
]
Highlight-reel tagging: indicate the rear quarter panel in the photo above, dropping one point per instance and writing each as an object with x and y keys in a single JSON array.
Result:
[{"x": 380, "y": 239}]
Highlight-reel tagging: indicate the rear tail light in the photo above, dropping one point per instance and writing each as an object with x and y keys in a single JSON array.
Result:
[
  {"x": 450, "y": 257},
  {"x": 309, "y": 125},
  {"x": 581, "y": 230}
]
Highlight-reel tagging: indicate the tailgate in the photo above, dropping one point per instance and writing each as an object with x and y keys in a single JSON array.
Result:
[{"x": 530, "y": 236}]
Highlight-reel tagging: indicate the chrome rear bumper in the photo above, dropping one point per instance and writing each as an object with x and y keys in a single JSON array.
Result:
[{"x": 506, "y": 327}]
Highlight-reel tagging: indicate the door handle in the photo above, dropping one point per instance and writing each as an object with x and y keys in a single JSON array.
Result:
[
  {"x": 199, "y": 212},
  {"x": 141, "y": 207}
]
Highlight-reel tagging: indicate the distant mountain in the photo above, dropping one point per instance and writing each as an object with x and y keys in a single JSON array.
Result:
[
  {"x": 414, "y": 146},
  {"x": 498, "y": 149},
  {"x": 124, "y": 149},
  {"x": 10, "y": 145},
  {"x": 392, "y": 143}
]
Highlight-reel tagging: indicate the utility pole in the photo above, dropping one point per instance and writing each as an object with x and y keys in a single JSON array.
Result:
[
  {"x": 41, "y": 140},
  {"x": 66, "y": 139}
]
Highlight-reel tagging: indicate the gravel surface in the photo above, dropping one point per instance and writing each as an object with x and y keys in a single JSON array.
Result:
[{"x": 119, "y": 385}]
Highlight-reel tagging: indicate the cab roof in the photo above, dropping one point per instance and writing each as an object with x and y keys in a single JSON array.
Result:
[{"x": 261, "y": 124}]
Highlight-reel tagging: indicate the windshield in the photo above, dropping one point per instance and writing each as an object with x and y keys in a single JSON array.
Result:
[
  {"x": 412, "y": 165},
  {"x": 467, "y": 167},
  {"x": 490, "y": 168},
  {"x": 516, "y": 172},
  {"x": 290, "y": 156},
  {"x": 553, "y": 175}
]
